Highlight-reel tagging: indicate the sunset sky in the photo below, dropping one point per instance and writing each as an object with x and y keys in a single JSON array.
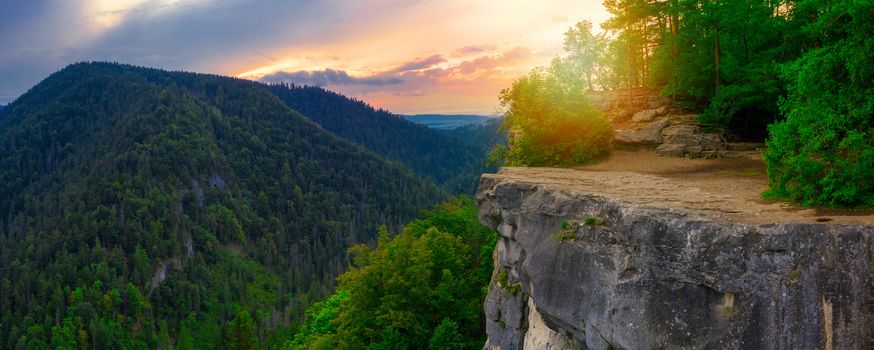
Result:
[{"x": 408, "y": 56}]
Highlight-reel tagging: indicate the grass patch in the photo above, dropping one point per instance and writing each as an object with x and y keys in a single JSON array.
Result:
[
  {"x": 503, "y": 280},
  {"x": 566, "y": 232},
  {"x": 594, "y": 221},
  {"x": 744, "y": 172}
]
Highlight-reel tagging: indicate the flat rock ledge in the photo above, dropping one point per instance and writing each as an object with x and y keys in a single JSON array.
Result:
[{"x": 583, "y": 265}]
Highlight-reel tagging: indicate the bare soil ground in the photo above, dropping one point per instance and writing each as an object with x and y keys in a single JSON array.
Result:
[{"x": 725, "y": 189}]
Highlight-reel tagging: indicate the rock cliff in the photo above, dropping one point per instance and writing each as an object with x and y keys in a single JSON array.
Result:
[{"x": 620, "y": 260}]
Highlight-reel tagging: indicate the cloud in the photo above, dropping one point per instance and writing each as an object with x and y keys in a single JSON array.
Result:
[
  {"x": 513, "y": 56},
  {"x": 419, "y": 64},
  {"x": 328, "y": 77},
  {"x": 336, "y": 77},
  {"x": 414, "y": 93},
  {"x": 429, "y": 81},
  {"x": 470, "y": 50}
]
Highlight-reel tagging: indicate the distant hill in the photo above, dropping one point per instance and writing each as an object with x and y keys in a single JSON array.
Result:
[
  {"x": 447, "y": 121},
  {"x": 446, "y": 159},
  {"x": 139, "y": 206},
  {"x": 482, "y": 136}
]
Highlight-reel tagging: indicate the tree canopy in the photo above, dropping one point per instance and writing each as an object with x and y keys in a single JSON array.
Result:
[{"x": 421, "y": 289}]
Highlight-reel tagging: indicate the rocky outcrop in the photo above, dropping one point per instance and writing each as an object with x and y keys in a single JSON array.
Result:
[
  {"x": 643, "y": 117},
  {"x": 622, "y": 104},
  {"x": 649, "y": 114},
  {"x": 683, "y": 139},
  {"x": 649, "y": 134},
  {"x": 577, "y": 267}
]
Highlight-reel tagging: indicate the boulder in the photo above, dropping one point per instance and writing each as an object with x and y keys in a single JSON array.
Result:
[
  {"x": 649, "y": 134},
  {"x": 692, "y": 136},
  {"x": 649, "y": 114},
  {"x": 687, "y": 135},
  {"x": 644, "y": 116},
  {"x": 671, "y": 150},
  {"x": 686, "y": 119},
  {"x": 711, "y": 141}
]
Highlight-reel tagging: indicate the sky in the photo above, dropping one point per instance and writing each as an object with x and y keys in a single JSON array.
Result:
[{"x": 407, "y": 56}]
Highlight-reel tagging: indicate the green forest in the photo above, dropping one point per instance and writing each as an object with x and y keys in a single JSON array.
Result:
[{"x": 149, "y": 209}]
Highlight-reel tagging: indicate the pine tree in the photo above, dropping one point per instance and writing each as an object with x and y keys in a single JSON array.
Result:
[{"x": 241, "y": 333}]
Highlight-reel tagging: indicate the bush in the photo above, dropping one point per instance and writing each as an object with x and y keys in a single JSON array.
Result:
[
  {"x": 823, "y": 152},
  {"x": 551, "y": 121}
]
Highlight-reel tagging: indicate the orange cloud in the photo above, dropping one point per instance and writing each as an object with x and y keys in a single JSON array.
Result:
[{"x": 429, "y": 84}]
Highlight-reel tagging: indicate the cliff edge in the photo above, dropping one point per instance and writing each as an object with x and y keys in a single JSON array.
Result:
[{"x": 630, "y": 255}]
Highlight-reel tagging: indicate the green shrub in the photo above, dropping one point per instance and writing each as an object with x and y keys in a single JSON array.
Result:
[
  {"x": 593, "y": 221},
  {"x": 823, "y": 152},
  {"x": 503, "y": 281},
  {"x": 551, "y": 121},
  {"x": 566, "y": 233}
]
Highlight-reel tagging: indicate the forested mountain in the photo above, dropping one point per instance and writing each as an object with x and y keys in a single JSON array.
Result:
[
  {"x": 141, "y": 208},
  {"x": 481, "y": 136},
  {"x": 447, "y": 160}
]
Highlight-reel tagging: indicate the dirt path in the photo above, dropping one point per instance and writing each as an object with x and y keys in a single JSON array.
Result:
[{"x": 726, "y": 189}]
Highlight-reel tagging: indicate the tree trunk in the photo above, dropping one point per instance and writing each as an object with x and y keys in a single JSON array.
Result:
[{"x": 675, "y": 30}]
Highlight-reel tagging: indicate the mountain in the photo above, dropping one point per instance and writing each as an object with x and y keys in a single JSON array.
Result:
[
  {"x": 447, "y": 121},
  {"x": 447, "y": 160},
  {"x": 482, "y": 136},
  {"x": 141, "y": 208}
]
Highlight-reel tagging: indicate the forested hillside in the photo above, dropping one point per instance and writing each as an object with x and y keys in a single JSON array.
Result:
[
  {"x": 141, "y": 208},
  {"x": 481, "y": 136},
  {"x": 447, "y": 160}
]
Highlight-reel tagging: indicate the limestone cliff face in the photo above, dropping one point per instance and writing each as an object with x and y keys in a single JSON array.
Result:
[{"x": 575, "y": 269}]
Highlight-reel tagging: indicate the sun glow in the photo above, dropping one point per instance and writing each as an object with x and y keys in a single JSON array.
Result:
[
  {"x": 109, "y": 13},
  {"x": 106, "y": 14},
  {"x": 478, "y": 54}
]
